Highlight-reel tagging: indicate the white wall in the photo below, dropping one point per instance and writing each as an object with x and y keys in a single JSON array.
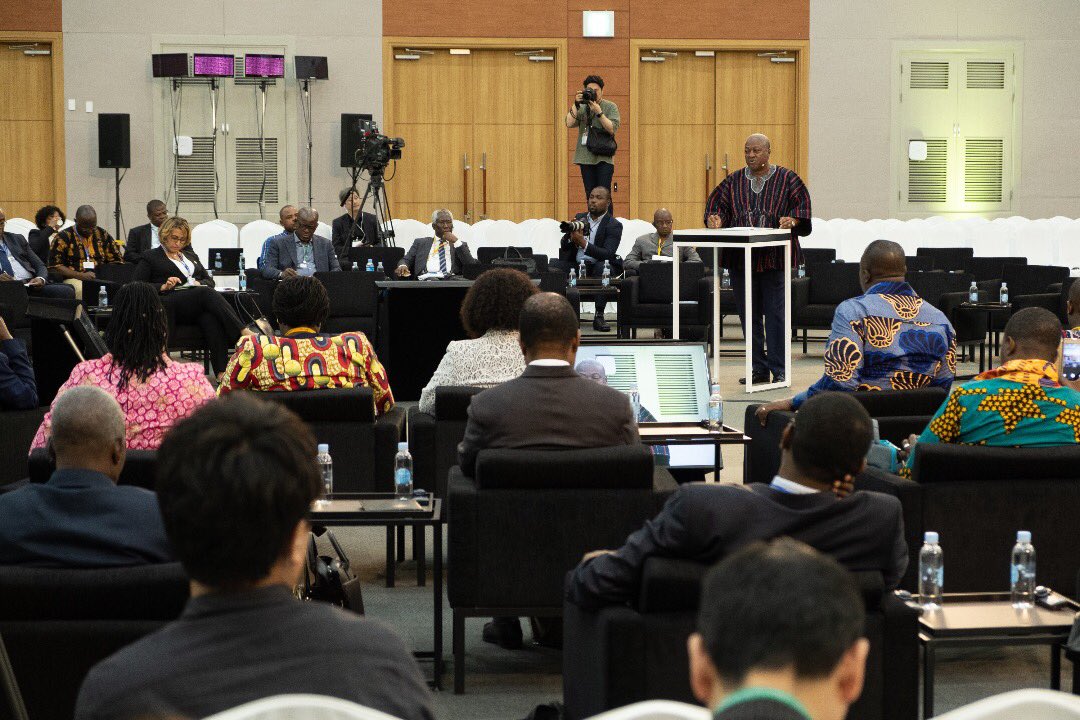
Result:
[
  {"x": 107, "y": 48},
  {"x": 851, "y": 82}
]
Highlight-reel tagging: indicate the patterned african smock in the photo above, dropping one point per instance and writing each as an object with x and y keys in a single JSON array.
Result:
[
  {"x": 1018, "y": 404},
  {"x": 307, "y": 361},
  {"x": 887, "y": 339}
]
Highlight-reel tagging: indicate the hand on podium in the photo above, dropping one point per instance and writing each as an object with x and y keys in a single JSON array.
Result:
[{"x": 713, "y": 222}]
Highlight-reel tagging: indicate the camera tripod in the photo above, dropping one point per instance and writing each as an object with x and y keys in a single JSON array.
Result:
[{"x": 376, "y": 190}]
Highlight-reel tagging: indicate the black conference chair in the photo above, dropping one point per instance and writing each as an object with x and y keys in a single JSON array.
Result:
[
  {"x": 816, "y": 256},
  {"x": 140, "y": 468},
  {"x": 947, "y": 258},
  {"x": 991, "y": 268},
  {"x": 433, "y": 439},
  {"x": 17, "y": 430},
  {"x": 814, "y": 298},
  {"x": 645, "y": 299},
  {"x": 353, "y": 299}
]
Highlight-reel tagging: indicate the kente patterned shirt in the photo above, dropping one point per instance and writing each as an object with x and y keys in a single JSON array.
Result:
[
  {"x": 68, "y": 249},
  {"x": 150, "y": 408},
  {"x": 305, "y": 360},
  {"x": 1020, "y": 404},
  {"x": 887, "y": 339}
]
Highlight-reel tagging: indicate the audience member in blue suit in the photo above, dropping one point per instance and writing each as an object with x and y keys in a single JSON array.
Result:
[{"x": 17, "y": 388}]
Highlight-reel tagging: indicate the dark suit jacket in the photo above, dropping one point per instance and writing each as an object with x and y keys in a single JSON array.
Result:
[
  {"x": 155, "y": 267},
  {"x": 281, "y": 255},
  {"x": 138, "y": 242},
  {"x": 604, "y": 246},
  {"x": 27, "y": 257},
  {"x": 546, "y": 408},
  {"x": 39, "y": 242},
  {"x": 343, "y": 234},
  {"x": 18, "y": 390},
  {"x": 230, "y": 648},
  {"x": 417, "y": 256},
  {"x": 81, "y": 519},
  {"x": 864, "y": 531}
]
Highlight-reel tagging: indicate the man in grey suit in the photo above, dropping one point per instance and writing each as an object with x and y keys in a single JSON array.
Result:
[
  {"x": 657, "y": 243},
  {"x": 302, "y": 253},
  {"x": 18, "y": 263},
  {"x": 448, "y": 257}
]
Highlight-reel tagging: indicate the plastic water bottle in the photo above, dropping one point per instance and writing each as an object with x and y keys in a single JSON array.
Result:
[
  {"x": 355, "y": 267},
  {"x": 217, "y": 262},
  {"x": 1023, "y": 571},
  {"x": 572, "y": 281},
  {"x": 605, "y": 279},
  {"x": 243, "y": 274},
  {"x": 370, "y": 267},
  {"x": 802, "y": 271},
  {"x": 635, "y": 401},
  {"x": 716, "y": 409},
  {"x": 931, "y": 571},
  {"x": 326, "y": 465},
  {"x": 973, "y": 293},
  {"x": 403, "y": 477},
  {"x": 103, "y": 297},
  {"x": 380, "y": 268},
  {"x": 581, "y": 271},
  {"x": 725, "y": 280},
  {"x": 1003, "y": 294}
]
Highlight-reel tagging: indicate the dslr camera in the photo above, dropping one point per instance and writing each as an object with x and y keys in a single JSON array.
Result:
[
  {"x": 588, "y": 95},
  {"x": 572, "y": 226},
  {"x": 376, "y": 150}
]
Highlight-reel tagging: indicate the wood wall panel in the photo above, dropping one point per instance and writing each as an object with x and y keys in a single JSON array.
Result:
[
  {"x": 36, "y": 15},
  {"x": 472, "y": 18},
  {"x": 728, "y": 20}
]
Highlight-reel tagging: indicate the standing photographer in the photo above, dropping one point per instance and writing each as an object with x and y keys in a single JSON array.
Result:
[{"x": 597, "y": 120}]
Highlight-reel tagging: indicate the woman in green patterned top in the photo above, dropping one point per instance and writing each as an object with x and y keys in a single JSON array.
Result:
[{"x": 593, "y": 115}]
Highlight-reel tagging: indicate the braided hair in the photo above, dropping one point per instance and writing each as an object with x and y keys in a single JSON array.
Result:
[
  {"x": 137, "y": 333},
  {"x": 301, "y": 301}
]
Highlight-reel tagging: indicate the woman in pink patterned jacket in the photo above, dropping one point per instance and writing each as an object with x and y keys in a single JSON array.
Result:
[{"x": 153, "y": 390}]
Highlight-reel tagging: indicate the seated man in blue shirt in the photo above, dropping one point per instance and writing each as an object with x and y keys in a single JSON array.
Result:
[
  {"x": 888, "y": 338},
  {"x": 80, "y": 518},
  {"x": 18, "y": 390},
  {"x": 301, "y": 253}
]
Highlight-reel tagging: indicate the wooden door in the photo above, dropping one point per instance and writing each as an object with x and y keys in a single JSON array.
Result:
[
  {"x": 433, "y": 107},
  {"x": 513, "y": 135},
  {"x": 677, "y": 117},
  {"x": 26, "y": 133},
  {"x": 754, "y": 94}
]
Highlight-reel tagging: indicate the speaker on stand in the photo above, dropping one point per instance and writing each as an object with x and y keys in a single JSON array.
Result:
[{"x": 114, "y": 149}]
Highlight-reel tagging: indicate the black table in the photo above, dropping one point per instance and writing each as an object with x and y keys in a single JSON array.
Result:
[
  {"x": 690, "y": 434},
  {"x": 987, "y": 308},
  {"x": 416, "y": 320},
  {"x": 989, "y": 619},
  {"x": 377, "y": 510}
]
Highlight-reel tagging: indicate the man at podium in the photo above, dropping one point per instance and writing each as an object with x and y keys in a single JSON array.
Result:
[{"x": 768, "y": 196}]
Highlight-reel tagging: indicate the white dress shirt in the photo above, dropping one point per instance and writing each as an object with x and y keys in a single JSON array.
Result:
[
  {"x": 438, "y": 246},
  {"x": 155, "y": 236},
  {"x": 17, "y": 268},
  {"x": 792, "y": 488}
]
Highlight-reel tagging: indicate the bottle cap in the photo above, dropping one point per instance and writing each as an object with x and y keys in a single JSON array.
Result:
[
  {"x": 324, "y": 448},
  {"x": 930, "y": 537},
  {"x": 402, "y": 446},
  {"x": 715, "y": 388},
  {"x": 1023, "y": 536}
]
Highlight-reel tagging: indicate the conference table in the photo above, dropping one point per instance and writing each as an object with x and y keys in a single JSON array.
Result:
[{"x": 745, "y": 239}]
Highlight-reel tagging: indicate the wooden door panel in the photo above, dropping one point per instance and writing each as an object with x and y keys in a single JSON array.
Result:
[
  {"x": 752, "y": 89},
  {"x": 672, "y": 164},
  {"x": 511, "y": 88},
  {"x": 430, "y": 170},
  {"x": 517, "y": 212},
  {"x": 434, "y": 89},
  {"x": 731, "y": 139},
  {"x": 678, "y": 91},
  {"x": 26, "y": 156},
  {"x": 420, "y": 211},
  {"x": 519, "y": 163},
  {"x": 26, "y": 91},
  {"x": 687, "y": 215}
]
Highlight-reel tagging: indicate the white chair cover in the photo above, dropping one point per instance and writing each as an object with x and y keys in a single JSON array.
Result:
[
  {"x": 19, "y": 226},
  {"x": 252, "y": 237},
  {"x": 656, "y": 710},
  {"x": 216, "y": 233},
  {"x": 1032, "y": 704},
  {"x": 308, "y": 707}
]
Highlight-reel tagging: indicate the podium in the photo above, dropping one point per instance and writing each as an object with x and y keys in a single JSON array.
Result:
[{"x": 745, "y": 239}]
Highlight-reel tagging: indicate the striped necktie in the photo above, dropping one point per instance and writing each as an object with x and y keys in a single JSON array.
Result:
[{"x": 442, "y": 257}]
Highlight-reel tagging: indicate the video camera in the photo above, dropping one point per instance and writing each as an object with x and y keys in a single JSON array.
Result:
[
  {"x": 376, "y": 150},
  {"x": 572, "y": 226}
]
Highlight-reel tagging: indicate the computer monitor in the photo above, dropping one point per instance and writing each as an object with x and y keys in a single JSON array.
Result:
[
  {"x": 207, "y": 65},
  {"x": 311, "y": 67},
  {"x": 264, "y": 66},
  {"x": 170, "y": 65}
]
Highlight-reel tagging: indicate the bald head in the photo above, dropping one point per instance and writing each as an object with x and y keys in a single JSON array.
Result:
[
  {"x": 1033, "y": 333},
  {"x": 756, "y": 153},
  {"x": 663, "y": 222},
  {"x": 882, "y": 260},
  {"x": 759, "y": 139},
  {"x": 86, "y": 212},
  {"x": 307, "y": 222},
  {"x": 88, "y": 431},
  {"x": 548, "y": 328}
]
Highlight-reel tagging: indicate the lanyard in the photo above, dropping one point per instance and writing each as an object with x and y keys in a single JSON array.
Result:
[
  {"x": 659, "y": 245},
  {"x": 436, "y": 246},
  {"x": 762, "y": 693}
]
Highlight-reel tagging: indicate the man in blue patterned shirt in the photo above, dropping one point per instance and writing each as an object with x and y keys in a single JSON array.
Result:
[{"x": 888, "y": 338}]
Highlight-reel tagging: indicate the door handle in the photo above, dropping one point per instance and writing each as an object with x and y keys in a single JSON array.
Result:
[
  {"x": 465, "y": 178},
  {"x": 724, "y": 167},
  {"x": 708, "y": 167},
  {"x": 483, "y": 186}
]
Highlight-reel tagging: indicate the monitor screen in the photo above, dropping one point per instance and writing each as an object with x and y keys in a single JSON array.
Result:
[
  {"x": 266, "y": 66},
  {"x": 213, "y": 65},
  {"x": 170, "y": 65},
  {"x": 311, "y": 67},
  {"x": 672, "y": 377}
]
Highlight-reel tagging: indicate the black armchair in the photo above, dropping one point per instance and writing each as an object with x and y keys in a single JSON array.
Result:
[
  {"x": 527, "y": 519},
  {"x": 977, "y": 498},
  {"x": 1029, "y": 286},
  {"x": 433, "y": 439},
  {"x": 916, "y": 263},
  {"x": 57, "y": 624},
  {"x": 947, "y": 258},
  {"x": 363, "y": 447},
  {"x": 17, "y": 430},
  {"x": 817, "y": 256},
  {"x": 991, "y": 268},
  {"x": 140, "y": 468},
  {"x": 814, "y": 298},
  {"x": 353, "y": 297},
  {"x": 625, "y": 654},
  {"x": 645, "y": 299},
  {"x": 263, "y": 288}
]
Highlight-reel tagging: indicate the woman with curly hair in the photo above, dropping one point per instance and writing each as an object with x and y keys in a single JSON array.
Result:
[
  {"x": 48, "y": 221},
  {"x": 490, "y": 315},
  {"x": 153, "y": 390}
]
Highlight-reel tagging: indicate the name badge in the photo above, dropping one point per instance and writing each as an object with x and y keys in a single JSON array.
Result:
[{"x": 585, "y": 138}]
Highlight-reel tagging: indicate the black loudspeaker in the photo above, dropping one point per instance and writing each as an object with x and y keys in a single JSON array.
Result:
[
  {"x": 54, "y": 325},
  {"x": 114, "y": 140},
  {"x": 350, "y": 136}
]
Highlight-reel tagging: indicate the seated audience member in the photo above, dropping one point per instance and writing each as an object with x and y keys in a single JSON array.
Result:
[
  {"x": 1020, "y": 404},
  {"x": 824, "y": 448},
  {"x": 80, "y": 518},
  {"x": 597, "y": 243},
  {"x": 48, "y": 221},
  {"x": 81, "y": 248},
  {"x": 489, "y": 314},
  {"x": 649, "y": 246},
  {"x": 301, "y": 357},
  {"x": 235, "y": 482},
  {"x": 18, "y": 263},
  {"x": 187, "y": 290},
  {"x": 153, "y": 390},
  {"x": 1072, "y": 309},
  {"x": 347, "y": 231},
  {"x": 888, "y": 338},
  {"x": 287, "y": 218},
  {"x": 779, "y": 636},
  {"x": 18, "y": 389},
  {"x": 300, "y": 253},
  {"x": 441, "y": 255},
  {"x": 148, "y": 236}
]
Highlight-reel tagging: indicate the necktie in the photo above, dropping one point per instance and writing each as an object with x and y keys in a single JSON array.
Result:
[
  {"x": 4, "y": 264},
  {"x": 442, "y": 257}
]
